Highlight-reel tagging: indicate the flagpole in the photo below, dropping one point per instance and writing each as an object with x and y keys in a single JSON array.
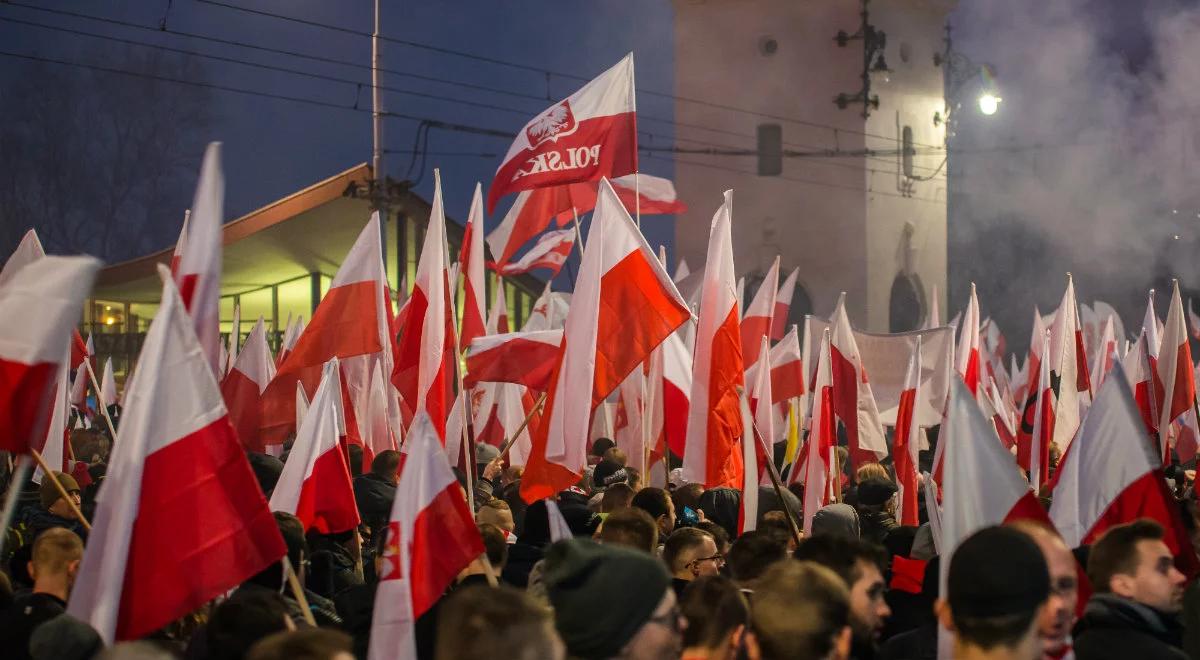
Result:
[
  {"x": 19, "y": 473},
  {"x": 96, "y": 386},
  {"x": 62, "y": 492},
  {"x": 290, "y": 573},
  {"x": 525, "y": 422},
  {"x": 647, "y": 407},
  {"x": 770, "y": 462},
  {"x": 578, "y": 231}
]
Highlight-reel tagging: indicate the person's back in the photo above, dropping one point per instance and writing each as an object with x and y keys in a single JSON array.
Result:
[{"x": 56, "y": 556}]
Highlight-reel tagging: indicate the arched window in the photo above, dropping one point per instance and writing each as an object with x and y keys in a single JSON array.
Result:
[{"x": 904, "y": 307}]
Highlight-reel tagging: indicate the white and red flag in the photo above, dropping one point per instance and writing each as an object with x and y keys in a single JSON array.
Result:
[
  {"x": 525, "y": 358},
  {"x": 853, "y": 400},
  {"x": 1033, "y": 451},
  {"x": 762, "y": 397},
  {"x": 756, "y": 321},
  {"x": 108, "y": 385},
  {"x": 80, "y": 384},
  {"x": 28, "y": 251},
  {"x": 1175, "y": 369},
  {"x": 497, "y": 321},
  {"x": 431, "y": 536},
  {"x": 1106, "y": 353},
  {"x": 235, "y": 336},
  {"x": 748, "y": 509},
  {"x": 53, "y": 447},
  {"x": 243, "y": 387},
  {"x": 549, "y": 253},
  {"x": 589, "y": 135},
  {"x": 783, "y": 304},
  {"x": 905, "y": 443},
  {"x": 315, "y": 483},
  {"x": 1113, "y": 475},
  {"x": 1068, "y": 365},
  {"x": 377, "y": 426},
  {"x": 180, "y": 244},
  {"x": 181, "y": 519},
  {"x": 1138, "y": 367},
  {"x": 819, "y": 462},
  {"x": 624, "y": 305},
  {"x": 199, "y": 272},
  {"x": 787, "y": 374},
  {"x": 46, "y": 295},
  {"x": 676, "y": 390},
  {"x": 291, "y": 335},
  {"x": 712, "y": 453},
  {"x": 474, "y": 283},
  {"x": 1152, "y": 326},
  {"x": 425, "y": 361},
  {"x": 967, "y": 358}
]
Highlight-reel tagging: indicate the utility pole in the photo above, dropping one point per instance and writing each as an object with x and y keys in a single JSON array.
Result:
[{"x": 380, "y": 184}]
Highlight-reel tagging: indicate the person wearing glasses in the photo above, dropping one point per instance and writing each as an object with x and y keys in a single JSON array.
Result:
[{"x": 690, "y": 553}]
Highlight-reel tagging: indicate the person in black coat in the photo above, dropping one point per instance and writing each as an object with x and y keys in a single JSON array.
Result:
[{"x": 376, "y": 490}]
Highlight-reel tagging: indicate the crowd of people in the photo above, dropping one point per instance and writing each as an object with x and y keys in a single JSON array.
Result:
[{"x": 646, "y": 573}]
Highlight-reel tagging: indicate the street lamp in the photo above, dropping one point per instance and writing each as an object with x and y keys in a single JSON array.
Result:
[{"x": 989, "y": 103}]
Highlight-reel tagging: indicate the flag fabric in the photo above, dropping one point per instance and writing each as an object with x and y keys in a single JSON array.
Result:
[
  {"x": 1068, "y": 365},
  {"x": 108, "y": 385},
  {"x": 712, "y": 455},
  {"x": 1175, "y": 370},
  {"x": 235, "y": 336},
  {"x": 1138, "y": 367},
  {"x": 472, "y": 260},
  {"x": 181, "y": 519},
  {"x": 28, "y": 251},
  {"x": 748, "y": 511},
  {"x": 783, "y": 305},
  {"x": 821, "y": 478},
  {"x": 681, "y": 271},
  {"x": 967, "y": 358},
  {"x": 590, "y": 134},
  {"x": 676, "y": 390},
  {"x": 549, "y": 253},
  {"x": 1026, "y": 396},
  {"x": 526, "y": 358},
  {"x": 853, "y": 400},
  {"x": 762, "y": 397},
  {"x": 291, "y": 335},
  {"x": 497, "y": 320},
  {"x": 243, "y": 387},
  {"x": 1033, "y": 454},
  {"x": 53, "y": 445},
  {"x": 787, "y": 374},
  {"x": 315, "y": 482},
  {"x": 1113, "y": 475},
  {"x": 756, "y": 321},
  {"x": 624, "y": 305},
  {"x": 1106, "y": 352},
  {"x": 199, "y": 272},
  {"x": 1152, "y": 327},
  {"x": 180, "y": 244},
  {"x": 905, "y": 442},
  {"x": 376, "y": 428},
  {"x": 934, "y": 319},
  {"x": 431, "y": 536},
  {"x": 549, "y": 312}
]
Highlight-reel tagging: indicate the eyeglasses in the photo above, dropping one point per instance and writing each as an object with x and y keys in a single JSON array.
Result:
[{"x": 718, "y": 558}]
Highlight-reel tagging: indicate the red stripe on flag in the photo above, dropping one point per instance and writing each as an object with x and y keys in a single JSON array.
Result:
[
  {"x": 444, "y": 541},
  {"x": 242, "y": 400},
  {"x": 327, "y": 496},
  {"x": 724, "y": 460},
  {"x": 26, "y": 395}
]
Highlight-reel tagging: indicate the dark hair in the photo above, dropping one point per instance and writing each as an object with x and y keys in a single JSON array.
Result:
[
  {"x": 681, "y": 541},
  {"x": 841, "y": 554},
  {"x": 495, "y": 545},
  {"x": 386, "y": 464},
  {"x": 714, "y": 607},
  {"x": 292, "y": 531},
  {"x": 653, "y": 501},
  {"x": 1115, "y": 553},
  {"x": 248, "y": 616},
  {"x": 616, "y": 496},
  {"x": 798, "y": 610},
  {"x": 307, "y": 644},
  {"x": 990, "y": 632},
  {"x": 601, "y": 445},
  {"x": 718, "y": 533},
  {"x": 688, "y": 495},
  {"x": 355, "y": 457},
  {"x": 484, "y": 622},
  {"x": 752, "y": 554},
  {"x": 630, "y": 527}
]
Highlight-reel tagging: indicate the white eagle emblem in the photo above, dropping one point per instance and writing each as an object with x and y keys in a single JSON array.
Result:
[{"x": 550, "y": 125}]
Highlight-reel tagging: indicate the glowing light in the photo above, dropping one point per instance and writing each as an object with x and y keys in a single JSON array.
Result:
[
  {"x": 1176, "y": 236},
  {"x": 109, "y": 320},
  {"x": 989, "y": 104}
]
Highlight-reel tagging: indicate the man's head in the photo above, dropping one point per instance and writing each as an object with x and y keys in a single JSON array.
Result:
[
  {"x": 616, "y": 455},
  {"x": 55, "y": 561},
  {"x": 386, "y": 465},
  {"x": 996, "y": 586},
  {"x": 246, "y": 617},
  {"x": 752, "y": 554},
  {"x": 606, "y": 473},
  {"x": 657, "y": 503},
  {"x": 1133, "y": 562},
  {"x": 802, "y": 610},
  {"x": 601, "y": 445},
  {"x": 611, "y": 601},
  {"x": 1058, "y": 616},
  {"x": 688, "y": 495},
  {"x": 496, "y": 512},
  {"x": 860, "y": 565},
  {"x": 355, "y": 457},
  {"x": 482, "y": 622},
  {"x": 690, "y": 553},
  {"x": 307, "y": 644},
  {"x": 495, "y": 545},
  {"x": 617, "y": 496},
  {"x": 53, "y": 501},
  {"x": 716, "y": 613},
  {"x": 629, "y": 527}
]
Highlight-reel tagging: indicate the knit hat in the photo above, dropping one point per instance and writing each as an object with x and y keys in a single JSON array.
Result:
[
  {"x": 836, "y": 518},
  {"x": 485, "y": 453},
  {"x": 49, "y": 493},
  {"x": 875, "y": 491},
  {"x": 601, "y": 594},
  {"x": 64, "y": 638},
  {"x": 997, "y": 572},
  {"x": 607, "y": 473}
]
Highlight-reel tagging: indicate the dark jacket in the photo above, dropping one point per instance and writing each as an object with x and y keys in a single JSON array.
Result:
[
  {"x": 876, "y": 525},
  {"x": 18, "y": 622},
  {"x": 374, "y": 496},
  {"x": 1114, "y": 627}
]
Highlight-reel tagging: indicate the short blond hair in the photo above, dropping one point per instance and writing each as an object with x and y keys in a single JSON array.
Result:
[
  {"x": 869, "y": 470},
  {"x": 55, "y": 549}
]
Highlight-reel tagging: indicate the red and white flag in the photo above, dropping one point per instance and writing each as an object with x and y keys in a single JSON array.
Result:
[
  {"x": 80, "y": 384},
  {"x": 1113, "y": 475},
  {"x": 676, "y": 390},
  {"x": 853, "y": 400},
  {"x": 199, "y": 272},
  {"x": 787, "y": 374},
  {"x": 712, "y": 455},
  {"x": 431, "y": 536},
  {"x": 589, "y": 135},
  {"x": 1138, "y": 367},
  {"x": 525, "y": 358},
  {"x": 235, "y": 336},
  {"x": 497, "y": 322},
  {"x": 624, "y": 305},
  {"x": 549, "y": 312},
  {"x": 967, "y": 359},
  {"x": 425, "y": 360},
  {"x": 1033, "y": 451},
  {"x": 821, "y": 479},
  {"x": 242, "y": 389},
  {"x": 1106, "y": 352},
  {"x": 1175, "y": 369},
  {"x": 180, "y": 244},
  {"x": 748, "y": 509},
  {"x": 53, "y": 446},
  {"x": 108, "y": 385},
  {"x": 783, "y": 304},
  {"x": 756, "y": 321},
  {"x": 291, "y": 335},
  {"x": 377, "y": 427},
  {"x": 762, "y": 397},
  {"x": 550, "y": 253},
  {"x": 905, "y": 443},
  {"x": 315, "y": 482},
  {"x": 1068, "y": 365},
  {"x": 181, "y": 519},
  {"x": 28, "y": 251},
  {"x": 472, "y": 260},
  {"x": 1152, "y": 327}
]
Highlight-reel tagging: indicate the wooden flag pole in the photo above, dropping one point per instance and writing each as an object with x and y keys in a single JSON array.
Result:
[
  {"x": 776, "y": 483},
  {"x": 62, "y": 492},
  {"x": 525, "y": 422},
  {"x": 100, "y": 404},
  {"x": 290, "y": 573}
]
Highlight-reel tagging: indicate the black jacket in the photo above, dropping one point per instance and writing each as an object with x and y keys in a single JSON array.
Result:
[
  {"x": 18, "y": 622},
  {"x": 374, "y": 496},
  {"x": 1114, "y": 627}
]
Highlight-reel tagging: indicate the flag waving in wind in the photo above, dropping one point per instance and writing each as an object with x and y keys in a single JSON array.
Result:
[
  {"x": 471, "y": 258},
  {"x": 199, "y": 273}
]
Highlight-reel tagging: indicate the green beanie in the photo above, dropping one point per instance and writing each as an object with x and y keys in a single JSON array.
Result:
[{"x": 602, "y": 594}]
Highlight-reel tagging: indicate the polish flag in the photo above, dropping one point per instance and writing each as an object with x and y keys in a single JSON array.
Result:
[
  {"x": 430, "y": 538},
  {"x": 934, "y": 319},
  {"x": 46, "y": 295},
  {"x": 756, "y": 322},
  {"x": 80, "y": 384},
  {"x": 783, "y": 304},
  {"x": 108, "y": 385},
  {"x": 712, "y": 456},
  {"x": 967, "y": 358},
  {"x": 472, "y": 260},
  {"x": 376, "y": 429},
  {"x": 426, "y": 362},
  {"x": 1069, "y": 364},
  {"x": 242, "y": 389},
  {"x": 628, "y": 431},
  {"x": 1113, "y": 475},
  {"x": 1138, "y": 367},
  {"x": 787, "y": 373},
  {"x": 351, "y": 320},
  {"x": 1106, "y": 352},
  {"x": 53, "y": 447},
  {"x": 182, "y": 519},
  {"x": 748, "y": 511},
  {"x": 497, "y": 322},
  {"x": 905, "y": 442},
  {"x": 1175, "y": 369},
  {"x": 180, "y": 244},
  {"x": 511, "y": 405},
  {"x": 1152, "y": 327},
  {"x": 762, "y": 397},
  {"x": 549, "y": 312},
  {"x": 315, "y": 483},
  {"x": 624, "y": 305},
  {"x": 550, "y": 252},
  {"x": 821, "y": 478},
  {"x": 291, "y": 335},
  {"x": 199, "y": 272},
  {"x": 853, "y": 401},
  {"x": 1033, "y": 451},
  {"x": 589, "y": 135},
  {"x": 235, "y": 335},
  {"x": 676, "y": 390},
  {"x": 28, "y": 251},
  {"x": 526, "y": 358}
]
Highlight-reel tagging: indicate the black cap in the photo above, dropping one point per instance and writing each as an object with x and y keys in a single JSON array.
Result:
[
  {"x": 875, "y": 491},
  {"x": 607, "y": 473},
  {"x": 997, "y": 572}
]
